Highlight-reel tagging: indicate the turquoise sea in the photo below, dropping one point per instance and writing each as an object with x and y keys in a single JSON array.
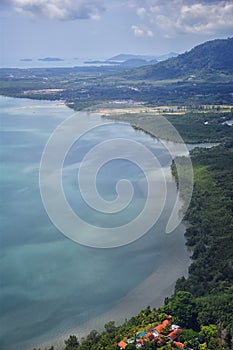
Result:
[{"x": 51, "y": 286}]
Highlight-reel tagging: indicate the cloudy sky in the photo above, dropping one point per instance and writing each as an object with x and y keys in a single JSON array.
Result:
[{"x": 103, "y": 28}]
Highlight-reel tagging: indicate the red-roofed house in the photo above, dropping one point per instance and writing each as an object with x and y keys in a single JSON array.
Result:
[
  {"x": 161, "y": 326},
  {"x": 122, "y": 344},
  {"x": 158, "y": 328},
  {"x": 178, "y": 345},
  {"x": 174, "y": 334},
  {"x": 166, "y": 323}
]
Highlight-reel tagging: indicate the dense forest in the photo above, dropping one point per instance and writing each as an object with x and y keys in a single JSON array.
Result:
[{"x": 202, "y": 304}]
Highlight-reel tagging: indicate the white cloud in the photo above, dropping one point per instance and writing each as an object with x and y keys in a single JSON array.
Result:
[
  {"x": 59, "y": 9},
  {"x": 141, "y": 12},
  {"x": 206, "y": 18},
  {"x": 140, "y": 31},
  {"x": 184, "y": 17},
  {"x": 137, "y": 31}
]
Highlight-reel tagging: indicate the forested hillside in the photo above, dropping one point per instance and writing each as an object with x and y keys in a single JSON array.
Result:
[{"x": 211, "y": 57}]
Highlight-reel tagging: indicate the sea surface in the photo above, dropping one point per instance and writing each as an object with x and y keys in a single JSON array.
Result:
[
  {"x": 35, "y": 62},
  {"x": 51, "y": 286}
]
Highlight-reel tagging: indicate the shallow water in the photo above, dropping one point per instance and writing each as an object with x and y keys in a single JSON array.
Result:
[{"x": 51, "y": 285}]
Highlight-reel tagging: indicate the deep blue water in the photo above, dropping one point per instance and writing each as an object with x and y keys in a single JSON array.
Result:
[{"x": 51, "y": 285}]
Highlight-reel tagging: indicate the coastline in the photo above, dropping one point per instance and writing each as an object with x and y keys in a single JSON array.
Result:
[{"x": 153, "y": 123}]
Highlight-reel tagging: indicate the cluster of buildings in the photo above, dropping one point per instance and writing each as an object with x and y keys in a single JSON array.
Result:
[{"x": 161, "y": 334}]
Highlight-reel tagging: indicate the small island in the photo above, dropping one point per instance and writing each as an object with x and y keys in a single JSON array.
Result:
[
  {"x": 26, "y": 59},
  {"x": 51, "y": 59}
]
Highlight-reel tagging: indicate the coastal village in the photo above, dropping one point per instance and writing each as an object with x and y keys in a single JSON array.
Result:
[{"x": 164, "y": 333}]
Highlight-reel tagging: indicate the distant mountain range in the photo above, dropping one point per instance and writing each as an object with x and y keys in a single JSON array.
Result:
[
  {"x": 121, "y": 60},
  {"x": 129, "y": 63},
  {"x": 206, "y": 59},
  {"x": 132, "y": 61},
  {"x": 125, "y": 57}
]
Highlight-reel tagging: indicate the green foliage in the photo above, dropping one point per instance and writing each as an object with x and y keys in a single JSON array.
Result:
[
  {"x": 182, "y": 305},
  {"x": 210, "y": 216},
  {"x": 215, "y": 308},
  {"x": 210, "y": 331},
  {"x": 130, "y": 347},
  {"x": 71, "y": 343},
  {"x": 110, "y": 327},
  {"x": 187, "y": 335},
  {"x": 193, "y": 126},
  {"x": 210, "y": 238}
]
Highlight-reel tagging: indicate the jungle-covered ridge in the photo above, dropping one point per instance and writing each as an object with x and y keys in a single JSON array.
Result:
[{"x": 202, "y": 61}]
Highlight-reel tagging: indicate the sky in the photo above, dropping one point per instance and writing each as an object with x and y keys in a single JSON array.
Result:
[{"x": 98, "y": 29}]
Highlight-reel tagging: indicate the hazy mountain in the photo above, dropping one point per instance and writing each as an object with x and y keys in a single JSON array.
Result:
[
  {"x": 166, "y": 56},
  {"x": 125, "y": 57},
  {"x": 136, "y": 62},
  {"x": 212, "y": 57},
  {"x": 132, "y": 62}
]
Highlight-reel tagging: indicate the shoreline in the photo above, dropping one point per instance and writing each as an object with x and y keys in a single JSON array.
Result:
[{"x": 145, "y": 121}]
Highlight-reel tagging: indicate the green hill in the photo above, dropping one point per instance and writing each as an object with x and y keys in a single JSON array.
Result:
[{"x": 212, "y": 57}]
